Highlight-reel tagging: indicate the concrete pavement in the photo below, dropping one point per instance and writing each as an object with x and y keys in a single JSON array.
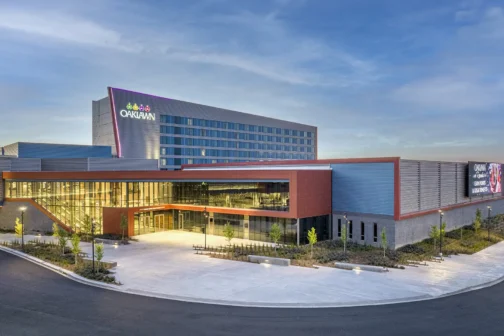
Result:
[
  {"x": 37, "y": 302},
  {"x": 164, "y": 265}
]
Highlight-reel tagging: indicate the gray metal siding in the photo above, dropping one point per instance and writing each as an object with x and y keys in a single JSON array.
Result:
[
  {"x": 96, "y": 164},
  {"x": 26, "y": 165},
  {"x": 103, "y": 130},
  {"x": 11, "y": 149},
  {"x": 410, "y": 186},
  {"x": 448, "y": 183},
  {"x": 416, "y": 229},
  {"x": 65, "y": 164},
  {"x": 5, "y": 164},
  {"x": 429, "y": 185},
  {"x": 363, "y": 188},
  {"x": 59, "y": 151}
]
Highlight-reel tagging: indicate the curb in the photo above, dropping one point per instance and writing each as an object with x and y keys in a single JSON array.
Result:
[{"x": 120, "y": 288}]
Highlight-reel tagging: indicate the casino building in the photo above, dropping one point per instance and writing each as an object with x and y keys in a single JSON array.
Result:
[
  {"x": 141, "y": 126},
  {"x": 167, "y": 165},
  {"x": 404, "y": 197}
]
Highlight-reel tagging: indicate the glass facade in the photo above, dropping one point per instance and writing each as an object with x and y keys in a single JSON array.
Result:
[
  {"x": 72, "y": 201},
  {"x": 199, "y": 141}
]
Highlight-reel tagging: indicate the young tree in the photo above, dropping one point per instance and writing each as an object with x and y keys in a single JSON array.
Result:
[
  {"x": 344, "y": 237},
  {"x": 86, "y": 226},
  {"x": 76, "y": 247},
  {"x": 477, "y": 221},
  {"x": 18, "y": 228},
  {"x": 384, "y": 243},
  {"x": 99, "y": 254},
  {"x": 275, "y": 234},
  {"x": 124, "y": 224},
  {"x": 434, "y": 234},
  {"x": 61, "y": 235},
  {"x": 312, "y": 239},
  {"x": 228, "y": 232}
]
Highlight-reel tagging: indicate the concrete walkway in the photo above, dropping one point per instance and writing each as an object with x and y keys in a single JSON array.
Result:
[{"x": 164, "y": 265}]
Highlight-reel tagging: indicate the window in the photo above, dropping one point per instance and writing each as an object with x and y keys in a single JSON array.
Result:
[
  {"x": 163, "y": 162},
  {"x": 203, "y": 152},
  {"x": 350, "y": 229},
  {"x": 375, "y": 232},
  {"x": 339, "y": 227},
  {"x": 189, "y": 161},
  {"x": 362, "y": 234},
  {"x": 189, "y": 121}
]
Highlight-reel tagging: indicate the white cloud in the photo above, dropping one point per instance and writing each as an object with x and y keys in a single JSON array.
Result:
[
  {"x": 450, "y": 93},
  {"x": 60, "y": 26}
]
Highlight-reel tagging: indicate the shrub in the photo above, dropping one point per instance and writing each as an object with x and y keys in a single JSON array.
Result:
[
  {"x": 392, "y": 255},
  {"x": 333, "y": 256},
  {"x": 103, "y": 275},
  {"x": 379, "y": 260},
  {"x": 411, "y": 248}
]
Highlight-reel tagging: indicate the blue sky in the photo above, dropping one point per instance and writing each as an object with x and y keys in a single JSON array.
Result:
[{"x": 417, "y": 79}]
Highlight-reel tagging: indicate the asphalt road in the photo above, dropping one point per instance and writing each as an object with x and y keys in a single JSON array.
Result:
[{"x": 35, "y": 301}]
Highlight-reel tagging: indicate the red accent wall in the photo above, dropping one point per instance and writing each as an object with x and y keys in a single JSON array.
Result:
[{"x": 312, "y": 193}]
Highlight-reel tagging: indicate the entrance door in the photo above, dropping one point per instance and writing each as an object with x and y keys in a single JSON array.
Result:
[
  {"x": 181, "y": 221},
  {"x": 159, "y": 223},
  {"x": 145, "y": 219}
]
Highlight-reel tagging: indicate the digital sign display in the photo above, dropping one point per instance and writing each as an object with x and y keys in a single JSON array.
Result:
[{"x": 484, "y": 178}]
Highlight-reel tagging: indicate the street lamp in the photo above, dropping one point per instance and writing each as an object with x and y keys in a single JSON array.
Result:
[
  {"x": 488, "y": 220},
  {"x": 205, "y": 215},
  {"x": 441, "y": 214},
  {"x": 92, "y": 242},
  {"x": 22, "y": 209},
  {"x": 345, "y": 236}
]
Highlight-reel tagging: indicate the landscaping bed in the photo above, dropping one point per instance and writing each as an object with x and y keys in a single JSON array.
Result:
[
  {"x": 53, "y": 253},
  {"x": 466, "y": 240}
]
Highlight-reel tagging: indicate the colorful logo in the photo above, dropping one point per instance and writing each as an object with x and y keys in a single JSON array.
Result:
[{"x": 137, "y": 112}]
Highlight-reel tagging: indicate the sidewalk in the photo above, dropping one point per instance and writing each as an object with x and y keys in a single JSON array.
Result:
[{"x": 164, "y": 265}]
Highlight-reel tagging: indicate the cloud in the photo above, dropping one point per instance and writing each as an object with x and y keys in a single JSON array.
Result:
[
  {"x": 450, "y": 93},
  {"x": 60, "y": 26}
]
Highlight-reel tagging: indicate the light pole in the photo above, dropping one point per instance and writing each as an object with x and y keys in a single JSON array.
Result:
[
  {"x": 92, "y": 241},
  {"x": 441, "y": 214},
  {"x": 22, "y": 209},
  {"x": 488, "y": 220},
  {"x": 345, "y": 232},
  {"x": 205, "y": 215}
]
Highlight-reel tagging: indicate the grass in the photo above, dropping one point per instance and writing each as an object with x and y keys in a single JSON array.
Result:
[{"x": 52, "y": 253}]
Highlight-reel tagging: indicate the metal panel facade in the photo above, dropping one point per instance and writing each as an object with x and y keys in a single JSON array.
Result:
[
  {"x": 448, "y": 183},
  {"x": 366, "y": 188},
  {"x": 96, "y": 164},
  {"x": 25, "y": 164},
  {"x": 410, "y": 186},
  {"x": 44, "y": 150},
  {"x": 103, "y": 130},
  {"x": 429, "y": 185},
  {"x": 65, "y": 164},
  {"x": 11, "y": 149}
]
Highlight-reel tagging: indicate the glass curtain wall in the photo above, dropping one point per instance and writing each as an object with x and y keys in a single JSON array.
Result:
[
  {"x": 72, "y": 202},
  {"x": 322, "y": 225},
  {"x": 259, "y": 229}
]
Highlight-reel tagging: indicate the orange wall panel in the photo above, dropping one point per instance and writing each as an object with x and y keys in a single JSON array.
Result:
[{"x": 312, "y": 193}]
